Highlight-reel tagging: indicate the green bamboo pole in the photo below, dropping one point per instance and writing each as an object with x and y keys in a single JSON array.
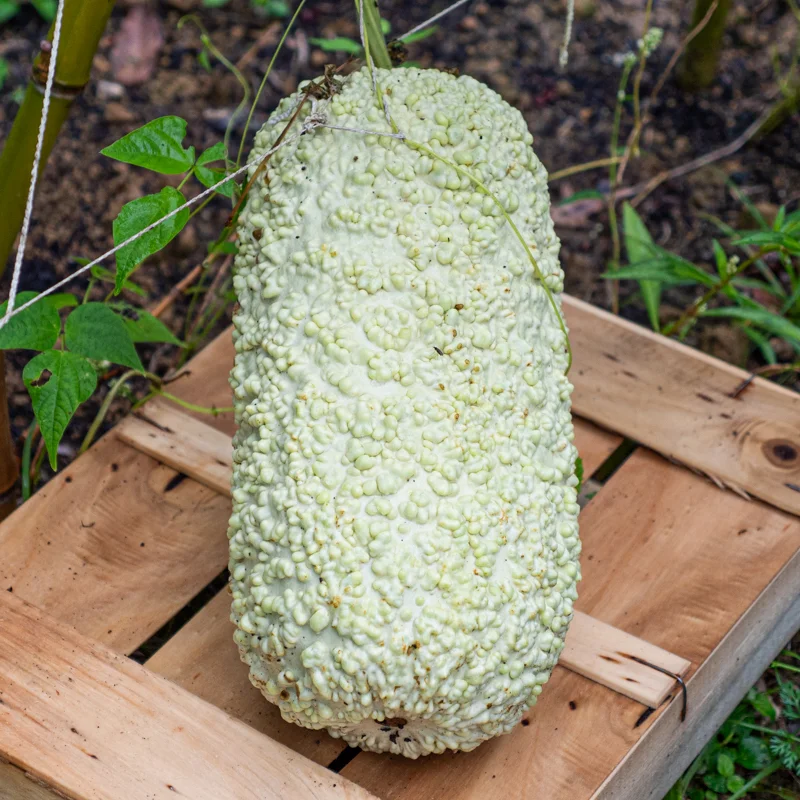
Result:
[
  {"x": 372, "y": 24},
  {"x": 699, "y": 64},
  {"x": 82, "y": 26}
]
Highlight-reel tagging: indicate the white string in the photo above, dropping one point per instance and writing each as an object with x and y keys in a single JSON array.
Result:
[
  {"x": 309, "y": 125},
  {"x": 37, "y": 157},
  {"x": 429, "y": 22},
  {"x": 563, "y": 56}
]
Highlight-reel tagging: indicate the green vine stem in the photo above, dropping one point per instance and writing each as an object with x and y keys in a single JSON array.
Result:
[
  {"x": 376, "y": 52},
  {"x": 27, "y": 449},
  {"x": 691, "y": 313},
  {"x": 104, "y": 407}
]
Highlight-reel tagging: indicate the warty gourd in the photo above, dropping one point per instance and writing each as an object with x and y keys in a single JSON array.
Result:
[{"x": 404, "y": 540}]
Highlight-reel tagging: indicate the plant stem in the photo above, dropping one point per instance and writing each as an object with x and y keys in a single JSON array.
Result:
[
  {"x": 637, "y": 80},
  {"x": 103, "y": 411},
  {"x": 712, "y": 292},
  {"x": 612, "y": 181},
  {"x": 576, "y": 168},
  {"x": 376, "y": 45},
  {"x": 82, "y": 26},
  {"x": 264, "y": 82},
  {"x": 26, "y": 460},
  {"x": 213, "y": 410},
  {"x": 699, "y": 65}
]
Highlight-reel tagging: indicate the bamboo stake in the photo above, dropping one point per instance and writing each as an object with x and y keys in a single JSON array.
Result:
[
  {"x": 83, "y": 25},
  {"x": 699, "y": 66}
]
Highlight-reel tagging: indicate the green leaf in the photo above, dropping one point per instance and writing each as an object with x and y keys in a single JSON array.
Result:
[
  {"x": 225, "y": 248},
  {"x": 761, "y": 704},
  {"x": 4, "y": 69},
  {"x": 753, "y": 753},
  {"x": 55, "y": 397},
  {"x": 780, "y": 218},
  {"x": 666, "y": 269},
  {"x": 725, "y": 765},
  {"x": 95, "y": 331},
  {"x": 640, "y": 246},
  {"x": 339, "y": 44},
  {"x": 419, "y": 35},
  {"x": 156, "y": 146},
  {"x": 46, "y": 9},
  {"x": 770, "y": 239},
  {"x": 586, "y": 194},
  {"x": 208, "y": 177},
  {"x": 8, "y": 10},
  {"x": 386, "y": 26},
  {"x": 143, "y": 326},
  {"x": 579, "y": 473},
  {"x": 758, "y": 315},
  {"x": 35, "y": 328},
  {"x": 215, "y": 3},
  {"x": 136, "y": 216},
  {"x": 203, "y": 59},
  {"x": 715, "y": 782},
  {"x": 277, "y": 8},
  {"x": 62, "y": 300},
  {"x": 735, "y": 783},
  {"x": 107, "y": 276},
  {"x": 762, "y": 342}
]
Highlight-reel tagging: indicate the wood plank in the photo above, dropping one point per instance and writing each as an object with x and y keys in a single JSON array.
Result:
[
  {"x": 203, "y": 659},
  {"x": 115, "y": 544},
  {"x": 667, "y": 557},
  {"x": 714, "y": 692},
  {"x": 167, "y": 433},
  {"x": 91, "y": 724},
  {"x": 606, "y": 655},
  {"x": 679, "y": 402}
]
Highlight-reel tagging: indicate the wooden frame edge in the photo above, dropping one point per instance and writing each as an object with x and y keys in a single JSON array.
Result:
[{"x": 669, "y": 746}]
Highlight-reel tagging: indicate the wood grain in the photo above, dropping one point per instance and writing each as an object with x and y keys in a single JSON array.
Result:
[
  {"x": 680, "y": 402},
  {"x": 667, "y": 557},
  {"x": 606, "y": 655},
  {"x": 202, "y": 658},
  {"x": 115, "y": 544},
  {"x": 167, "y": 433},
  {"x": 91, "y": 724}
]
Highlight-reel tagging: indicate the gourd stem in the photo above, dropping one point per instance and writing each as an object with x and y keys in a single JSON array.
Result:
[{"x": 375, "y": 40}]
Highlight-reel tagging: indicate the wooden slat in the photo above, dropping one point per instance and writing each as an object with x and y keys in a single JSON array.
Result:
[
  {"x": 117, "y": 543},
  {"x": 606, "y": 655},
  {"x": 202, "y": 658},
  {"x": 167, "y": 433},
  {"x": 715, "y": 690},
  {"x": 91, "y": 724},
  {"x": 667, "y": 557},
  {"x": 679, "y": 402}
]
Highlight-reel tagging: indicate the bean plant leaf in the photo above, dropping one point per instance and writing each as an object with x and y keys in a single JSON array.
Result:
[
  {"x": 58, "y": 382},
  {"x": 208, "y": 176},
  {"x": 138, "y": 215},
  {"x": 725, "y": 765},
  {"x": 585, "y": 194},
  {"x": 641, "y": 247},
  {"x": 35, "y": 328},
  {"x": 157, "y": 146},
  {"x": 46, "y": 8},
  {"x": 95, "y": 331},
  {"x": 143, "y": 326},
  {"x": 339, "y": 44},
  {"x": 8, "y": 10}
]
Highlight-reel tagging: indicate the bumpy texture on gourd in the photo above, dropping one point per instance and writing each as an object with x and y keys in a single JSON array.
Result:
[{"x": 404, "y": 540}]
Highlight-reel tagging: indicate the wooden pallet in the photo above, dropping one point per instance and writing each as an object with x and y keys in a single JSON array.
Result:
[{"x": 700, "y": 579}]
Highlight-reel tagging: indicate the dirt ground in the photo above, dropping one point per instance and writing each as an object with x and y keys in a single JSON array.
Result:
[{"x": 513, "y": 46}]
